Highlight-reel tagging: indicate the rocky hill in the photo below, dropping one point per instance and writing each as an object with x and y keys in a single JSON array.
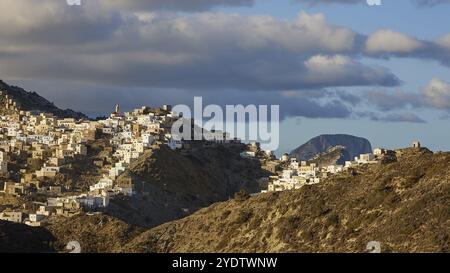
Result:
[
  {"x": 95, "y": 233},
  {"x": 333, "y": 156},
  {"x": 31, "y": 101},
  {"x": 19, "y": 238},
  {"x": 403, "y": 205},
  {"x": 353, "y": 145},
  {"x": 171, "y": 185}
]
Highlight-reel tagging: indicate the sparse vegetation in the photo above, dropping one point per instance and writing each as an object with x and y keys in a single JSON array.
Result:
[{"x": 342, "y": 214}]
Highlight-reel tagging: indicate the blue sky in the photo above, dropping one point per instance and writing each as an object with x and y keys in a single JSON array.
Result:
[
  {"x": 380, "y": 72},
  {"x": 399, "y": 15}
]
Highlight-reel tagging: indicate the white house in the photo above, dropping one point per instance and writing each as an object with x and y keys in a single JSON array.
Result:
[
  {"x": 147, "y": 139},
  {"x": 248, "y": 154},
  {"x": 294, "y": 164},
  {"x": 36, "y": 217},
  {"x": 284, "y": 158},
  {"x": 335, "y": 168},
  {"x": 378, "y": 151},
  {"x": 118, "y": 169},
  {"x": 12, "y": 216},
  {"x": 365, "y": 158},
  {"x": 104, "y": 183},
  {"x": 93, "y": 201}
]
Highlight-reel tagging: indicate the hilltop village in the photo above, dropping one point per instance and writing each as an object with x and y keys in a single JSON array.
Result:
[{"x": 38, "y": 150}]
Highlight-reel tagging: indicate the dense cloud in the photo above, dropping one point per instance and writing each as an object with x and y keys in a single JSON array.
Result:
[
  {"x": 201, "y": 51},
  {"x": 177, "y": 5},
  {"x": 97, "y": 100},
  {"x": 128, "y": 45}
]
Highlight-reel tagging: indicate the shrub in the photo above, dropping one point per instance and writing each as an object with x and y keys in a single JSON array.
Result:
[
  {"x": 243, "y": 217},
  {"x": 319, "y": 208},
  {"x": 288, "y": 228},
  {"x": 225, "y": 214},
  {"x": 241, "y": 195},
  {"x": 333, "y": 219}
]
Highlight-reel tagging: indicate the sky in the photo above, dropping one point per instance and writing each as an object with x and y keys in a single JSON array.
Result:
[{"x": 333, "y": 66}]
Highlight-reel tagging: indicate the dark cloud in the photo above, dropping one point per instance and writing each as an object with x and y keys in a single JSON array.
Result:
[
  {"x": 176, "y": 5},
  {"x": 211, "y": 51},
  {"x": 350, "y": 98},
  {"x": 170, "y": 57},
  {"x": 97, "y": 100}
]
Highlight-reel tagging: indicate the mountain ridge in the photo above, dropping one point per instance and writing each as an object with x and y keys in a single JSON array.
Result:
[
  {"x": 403, "y": 205},
  {"x": 32, "y": 101}
]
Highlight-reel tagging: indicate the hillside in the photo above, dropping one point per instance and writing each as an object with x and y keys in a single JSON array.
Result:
[
  {"x": 95, "y": 233},
  {"x": 354, "y": 146},
  {"x": 171, "y": 185},
  {"x": 404, "y": 205},
  {"x": 31, "y": 101},
  {"x": 19, "y": 238}
]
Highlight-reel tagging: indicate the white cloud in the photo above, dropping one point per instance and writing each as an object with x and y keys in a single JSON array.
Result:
[
  {"x": 388, "y": 41},
  {"x": 322, "y": 68},
  {"x": 437, "y": 94}
]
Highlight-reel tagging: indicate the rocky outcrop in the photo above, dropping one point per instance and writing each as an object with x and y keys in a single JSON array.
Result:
[
  {"x": 171, "y": 184},
  {"x": 333, "y": 156}
]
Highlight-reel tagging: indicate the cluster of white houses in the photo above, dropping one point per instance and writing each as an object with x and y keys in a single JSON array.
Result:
[
  {"x": 50, "y": 144},
  {"x": 298, "y": 174}
]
